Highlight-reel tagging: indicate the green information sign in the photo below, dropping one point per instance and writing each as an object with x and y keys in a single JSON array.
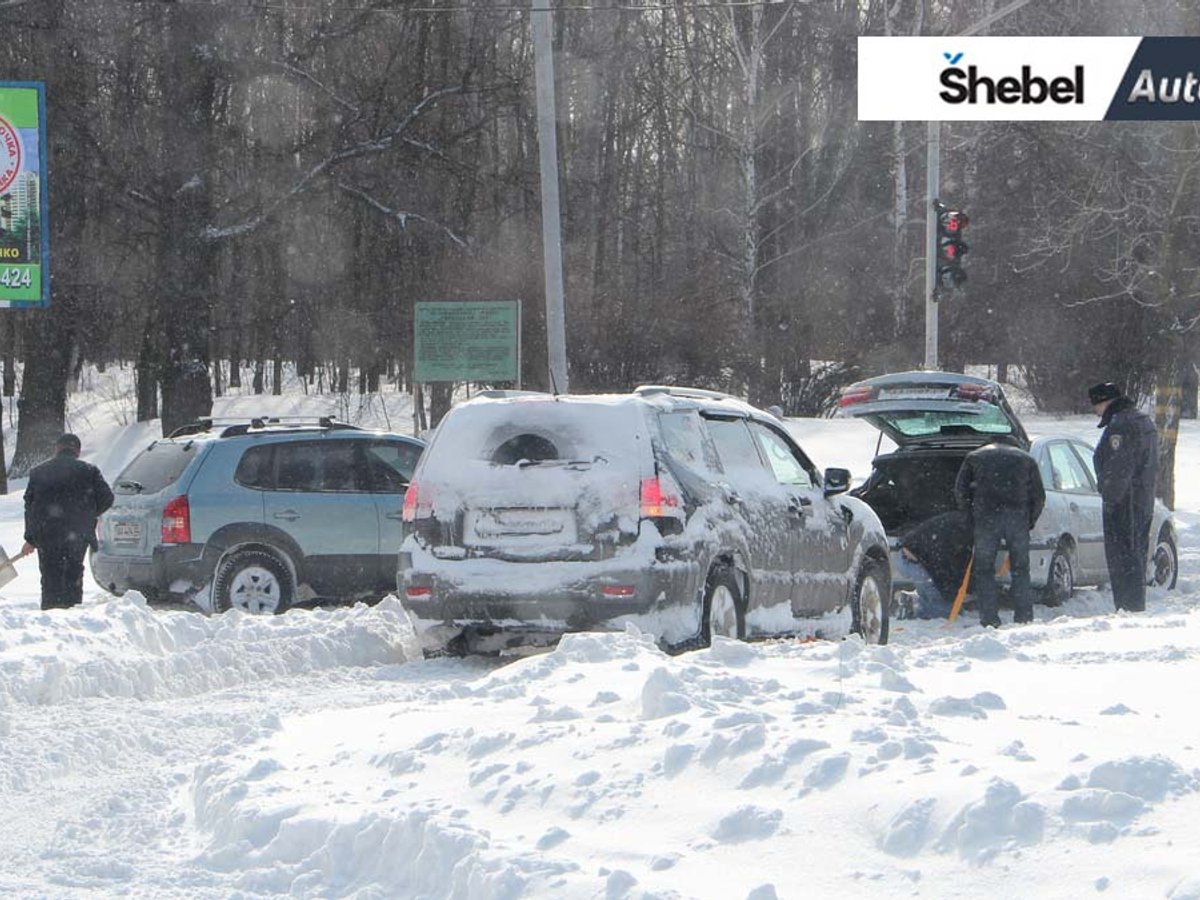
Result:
[
  {"x": 475, "y": 340},
  {"x": 24, "y": 220}
]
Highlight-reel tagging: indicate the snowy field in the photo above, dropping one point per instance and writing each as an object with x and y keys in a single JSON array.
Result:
[{"x": 167, "y": 754}]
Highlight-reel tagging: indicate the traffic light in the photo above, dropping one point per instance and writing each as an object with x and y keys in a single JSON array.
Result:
[{"x": 950, "y": 246}]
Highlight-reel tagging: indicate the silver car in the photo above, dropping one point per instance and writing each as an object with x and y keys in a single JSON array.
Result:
[
  {"x": 935, "y": 419},
  {"x": 686, "y": 513}
]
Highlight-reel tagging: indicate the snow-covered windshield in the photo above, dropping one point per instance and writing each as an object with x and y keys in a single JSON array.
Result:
[{"x": 535, "y": 433}]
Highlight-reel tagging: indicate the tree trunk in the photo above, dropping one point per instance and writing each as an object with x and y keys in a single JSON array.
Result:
[
  {"x": 1167, "y": 397},
  {"x": 10, "y": 354},
  {"x": 186, "y": 255},
  {"x": 3, "y": 468},
  {"x": 1191, "y": 388},
  {"x": 439, "y": 401},
  {"x": 146, "y": 379},
  {"x": 43, "y": 400}
]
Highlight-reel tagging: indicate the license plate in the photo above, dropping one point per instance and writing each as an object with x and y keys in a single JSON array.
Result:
[
  {"x": 913, "y": 393},
  {"x": 504, "y": 526},
  {"x": 127, "y": 532}
]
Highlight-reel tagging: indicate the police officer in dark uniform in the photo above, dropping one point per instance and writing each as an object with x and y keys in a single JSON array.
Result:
[
  {"x": 1000, "y": 485},
  {"x": 63, "y": 499},
  {"x": 1126, "y": 460}
]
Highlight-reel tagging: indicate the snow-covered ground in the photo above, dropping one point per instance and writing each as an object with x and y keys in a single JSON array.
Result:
[{"x": 167, "y": 754}]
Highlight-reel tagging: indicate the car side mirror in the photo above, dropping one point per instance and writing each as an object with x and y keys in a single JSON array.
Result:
[{"x": 837, "y": 481}]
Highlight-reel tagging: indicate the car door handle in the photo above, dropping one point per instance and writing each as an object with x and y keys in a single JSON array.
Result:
[
  {"x": 395, "y": 514},
  {"x": 1074, "y": 506},
  {"x": 801, "y": 506},
  {"x": 290, "y": 514}
]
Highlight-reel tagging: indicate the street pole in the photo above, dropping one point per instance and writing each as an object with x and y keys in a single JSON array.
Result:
[
  {"x": 932, "y": 179},
  {"x": 543, "y": 54}
]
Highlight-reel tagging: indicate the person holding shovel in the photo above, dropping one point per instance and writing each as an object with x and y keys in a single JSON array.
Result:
[
  {"x": 63, "y": 499},
  {"x": 1000, "y": 485}
]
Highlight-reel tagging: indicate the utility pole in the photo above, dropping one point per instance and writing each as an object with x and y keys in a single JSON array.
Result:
[
  {"x": 932, "y": 187},
  {"x": 932, "y": 179},
  {"x": 543, "y": 53}
]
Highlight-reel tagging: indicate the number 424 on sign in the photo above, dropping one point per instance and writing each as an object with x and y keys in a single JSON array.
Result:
[{"x": 15, "y": 278}]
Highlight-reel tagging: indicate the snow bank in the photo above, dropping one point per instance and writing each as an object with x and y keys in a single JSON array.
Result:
[
  {"x": 122, "y": 648},
  {"x": 531, "y": 780}
]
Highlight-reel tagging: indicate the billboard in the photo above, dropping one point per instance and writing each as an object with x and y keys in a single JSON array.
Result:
[
  {"x": 471, "y": 340},
  {"x": 24, "y": 219}
]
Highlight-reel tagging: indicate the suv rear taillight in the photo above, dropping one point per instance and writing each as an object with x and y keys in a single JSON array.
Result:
[
  {"x": 177, "y": 521},
  {"x": 661, "y": 499},
  {"x": 418, "y": 504}
]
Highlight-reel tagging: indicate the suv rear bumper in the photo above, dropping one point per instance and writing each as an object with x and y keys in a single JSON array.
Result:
[
  {"x": 662, "y": 598},
  {"x": 181, "y": 565}
]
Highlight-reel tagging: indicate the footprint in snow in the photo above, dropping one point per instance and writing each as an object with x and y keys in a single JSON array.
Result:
[
  {"x": 828, "y": 772},
  {"x": 747, "y": 823}
]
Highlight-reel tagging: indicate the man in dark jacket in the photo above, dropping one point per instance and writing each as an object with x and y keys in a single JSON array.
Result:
[
  {"x": 63, "y": 499},
  {"x": 1000, "y": 485},
  {"x": 938, "y": 549},
  {"x": 1126, "y": 461}
]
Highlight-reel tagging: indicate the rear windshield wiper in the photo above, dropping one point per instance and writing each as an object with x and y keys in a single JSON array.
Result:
[
  {"x": 565, "y": 463},
  {"x": 134, "y": 485}
]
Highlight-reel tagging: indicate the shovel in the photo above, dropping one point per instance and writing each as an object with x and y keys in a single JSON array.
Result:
[
  {"x": 962, "y": 590},
  {"x": 7, "y": 570}
]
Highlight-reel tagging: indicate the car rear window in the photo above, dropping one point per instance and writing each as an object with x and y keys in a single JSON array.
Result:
[
  {"x": 920, "y": 423},
  {"x": 536, "y": 434},
  {"x": 154, "y": 468}
]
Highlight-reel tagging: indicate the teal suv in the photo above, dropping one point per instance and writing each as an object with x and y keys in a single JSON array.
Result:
[{"x": 258, "y": 515}]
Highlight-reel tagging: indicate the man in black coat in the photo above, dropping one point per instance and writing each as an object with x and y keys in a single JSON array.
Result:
[
  {"x": 63, "y": 499},
  {"x": 1000, "y": 485},
  {"x": 1126, "y": 461},
  {"x": 941, "y": 546}
]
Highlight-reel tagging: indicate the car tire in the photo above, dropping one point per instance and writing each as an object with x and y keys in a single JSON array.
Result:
[
  {"x": 254, "y": 581},
  {"x": 724, "y": 607},
  {"x": 1060, "y": 579},
  {"x": 1164, "y": 562},
  {"x": 869, "y": 607}
]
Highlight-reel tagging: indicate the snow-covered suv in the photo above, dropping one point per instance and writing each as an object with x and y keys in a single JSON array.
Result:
[
  {"x": 258, "y": 515},
  {"x": 685, "y": 512}
]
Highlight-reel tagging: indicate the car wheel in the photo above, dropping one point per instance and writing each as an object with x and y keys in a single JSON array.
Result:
[
  {"x": 1164, "y": 563},
  {"x": 869, "y": 609},
  {"x": 253, "y": 581},
  {"x": 724, "y": 607},
  {"x": 1060, "y": 581}
]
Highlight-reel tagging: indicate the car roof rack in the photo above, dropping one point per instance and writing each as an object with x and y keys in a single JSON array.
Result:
[
  {"x": 504, "y": 393},
  {"x": 646, "y": 390},
  {"x": 233, "y": 426}
]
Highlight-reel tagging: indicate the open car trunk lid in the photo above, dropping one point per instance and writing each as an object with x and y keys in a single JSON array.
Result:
[{"x": 933, "y": 409}]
